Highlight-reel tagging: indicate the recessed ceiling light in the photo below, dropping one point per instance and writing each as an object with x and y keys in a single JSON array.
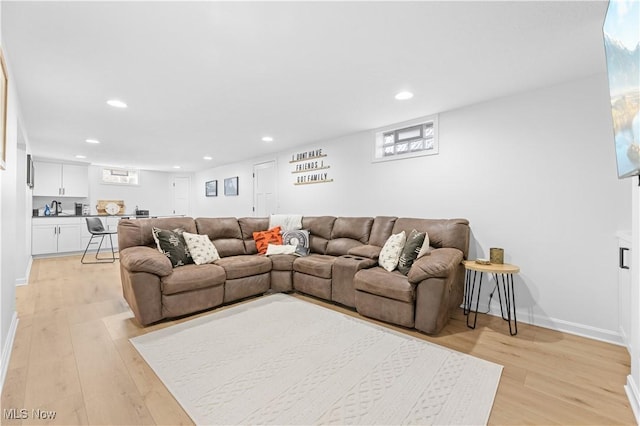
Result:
[
  {"x": 176, "y": 167},
  {"x": 116, "y": 103},
  {"x": 81, "y": 156},
  {"x": 404, "y": 96},
  {"x": 92, "y": 141},
  {"x": 206, "y": 157},
  {"x": 267, "y": 139}
]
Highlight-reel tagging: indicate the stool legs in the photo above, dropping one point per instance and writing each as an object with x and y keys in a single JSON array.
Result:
[{"x": 99, "y": 259}]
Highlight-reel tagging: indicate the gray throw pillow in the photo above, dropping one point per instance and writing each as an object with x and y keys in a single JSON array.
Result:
[
  {"x": 172, "y": 245},
  {"x": 410, "y": 252},
  {"x": 298, "y": 238}
]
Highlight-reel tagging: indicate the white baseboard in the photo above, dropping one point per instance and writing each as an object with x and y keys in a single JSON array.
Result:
[
  {"x": 577, "y": 329},
  {"x": 27, "y": 273},
  {"x": 634, "y": 397},
  {"x": 6, "y": 349}
]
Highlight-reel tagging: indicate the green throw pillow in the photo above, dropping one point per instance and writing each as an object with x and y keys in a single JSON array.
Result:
[
  {"x": 410, "y": 252},
  {"x": 172, "y": 245}
]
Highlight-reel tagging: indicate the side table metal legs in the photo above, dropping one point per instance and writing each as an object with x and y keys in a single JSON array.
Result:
[
  {"x": 470, "y": 285},
  {"x": 509, "y": 300},
  {"x": 505, "y": 285}
]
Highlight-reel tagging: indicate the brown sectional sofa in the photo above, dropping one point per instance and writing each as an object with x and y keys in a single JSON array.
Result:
[{"x": 342, "y": 267}]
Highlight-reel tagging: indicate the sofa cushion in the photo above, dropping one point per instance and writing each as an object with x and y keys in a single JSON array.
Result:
[
  {"x": 392, "y": 285},
  {"x": 438, "y": 264},
  {"x": 355, "y": 228},
  {"x": 320, "y": 228},
  {"x": 381, "y": 230},
  {"x": 192, "y": 277},
  {"x": 453, "y": 233},
  {"x": 347, "y": 233},
  {"x": 341, "y": 246},
  {"x": 282, "y": 262},
  {"x": 137, "y": 232},
  {"x": 368, "y": 251},
  {"x": 145, "y": 259},
  {"x": 172, "y": 244},
  {"x": 390, "y": 253},
  {"x": 244, "y": 265},
  {"x": 201, "y": 248},
  {"x": 264, "y": 238},
  {"x": 317, "y": 265},
  {"x": 249, "y": 225},
  {"x": 412, "y": 247},
  {"x": 225, "y": 234}
]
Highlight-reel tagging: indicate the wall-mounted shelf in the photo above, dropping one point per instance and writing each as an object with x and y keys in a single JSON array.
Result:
[
  {"x": 313, "y": 181},
  {"x": 308, "y": 158},
  {"x": 310, "y": 170}
]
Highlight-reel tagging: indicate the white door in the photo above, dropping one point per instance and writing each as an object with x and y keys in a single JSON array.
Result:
[
  {"x": 181, "y": 194},
  {"x": 265, "y": 200}
]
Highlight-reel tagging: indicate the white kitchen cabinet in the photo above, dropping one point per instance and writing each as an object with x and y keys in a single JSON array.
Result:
[
  {"x": 44, "y": 239},
  {"x": 55, "y": 235},
  {"x": 75, "y": 180},
  {"x": 60, "y": 180},
  {"x": 47, "y": 178}
]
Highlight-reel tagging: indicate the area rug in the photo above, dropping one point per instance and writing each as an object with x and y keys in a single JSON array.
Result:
[{"x": 281, "y": 360}]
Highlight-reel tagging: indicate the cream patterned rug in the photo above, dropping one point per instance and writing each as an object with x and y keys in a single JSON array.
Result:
[{"x": 281, "y": 360}]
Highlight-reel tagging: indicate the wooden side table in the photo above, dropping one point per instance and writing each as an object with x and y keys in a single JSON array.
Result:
[{"x": 504, "y": 276}]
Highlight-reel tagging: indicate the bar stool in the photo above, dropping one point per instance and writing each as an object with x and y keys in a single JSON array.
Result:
[{"x": 96, "y": 229}]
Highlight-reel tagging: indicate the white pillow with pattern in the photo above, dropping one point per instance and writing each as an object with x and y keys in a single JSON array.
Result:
[
  {"x": 390, "y": 253},
  {"x": 201, "y": 248}
]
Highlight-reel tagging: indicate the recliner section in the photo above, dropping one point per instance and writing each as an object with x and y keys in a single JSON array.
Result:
[{"x": 342, "y": 267}]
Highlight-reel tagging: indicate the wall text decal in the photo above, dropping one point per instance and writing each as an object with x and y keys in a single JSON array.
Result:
[{"x": 308, "y": 166}]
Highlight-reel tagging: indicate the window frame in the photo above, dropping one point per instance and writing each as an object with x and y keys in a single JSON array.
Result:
[
  {"x": 120, "y": 170},
  {"x": 381, "y": 140}
]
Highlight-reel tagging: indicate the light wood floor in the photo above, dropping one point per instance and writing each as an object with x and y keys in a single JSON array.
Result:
[{"x": 72, "y": 355}]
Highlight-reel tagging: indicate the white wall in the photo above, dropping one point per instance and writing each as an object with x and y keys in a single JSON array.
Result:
[
  {"x": 23, "y": 212},
  {"x": 224, "y": 206},
  {"x": 154, "y": 193},
  {"x": 534, "y": 173},
  {"x": 13, "y": 225}
]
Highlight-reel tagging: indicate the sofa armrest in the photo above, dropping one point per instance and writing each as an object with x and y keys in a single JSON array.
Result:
[
  {"x": 369, "y": 251},
  {"x": 145, "y": 259},
  {"x": 439, "y": 263}
]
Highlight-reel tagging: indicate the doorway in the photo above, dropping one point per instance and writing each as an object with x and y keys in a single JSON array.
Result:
[
  {"x": 265, "y": 198},
  {"x": 181, "y": 195}
]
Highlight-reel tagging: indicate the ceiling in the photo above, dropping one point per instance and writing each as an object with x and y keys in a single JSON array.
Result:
[{"x": 213, "y": 78}]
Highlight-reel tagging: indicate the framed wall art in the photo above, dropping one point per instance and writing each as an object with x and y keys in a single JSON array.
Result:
[
  {"x": 211, "y": 188},
  {"x": 3, "y": 112},
  {"x": 231, "y": 186}
]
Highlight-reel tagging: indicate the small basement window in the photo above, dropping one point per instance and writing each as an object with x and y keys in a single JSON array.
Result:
[
  {"x": 413, "y": 140},
  {"x": 120, "y": 176}
]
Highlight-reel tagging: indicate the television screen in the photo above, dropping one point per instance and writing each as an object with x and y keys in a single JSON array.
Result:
[{"x": 622, "y": 48}]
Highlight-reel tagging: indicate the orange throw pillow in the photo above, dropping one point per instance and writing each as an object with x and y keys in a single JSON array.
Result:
[{"x": 264, "y": 238}]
